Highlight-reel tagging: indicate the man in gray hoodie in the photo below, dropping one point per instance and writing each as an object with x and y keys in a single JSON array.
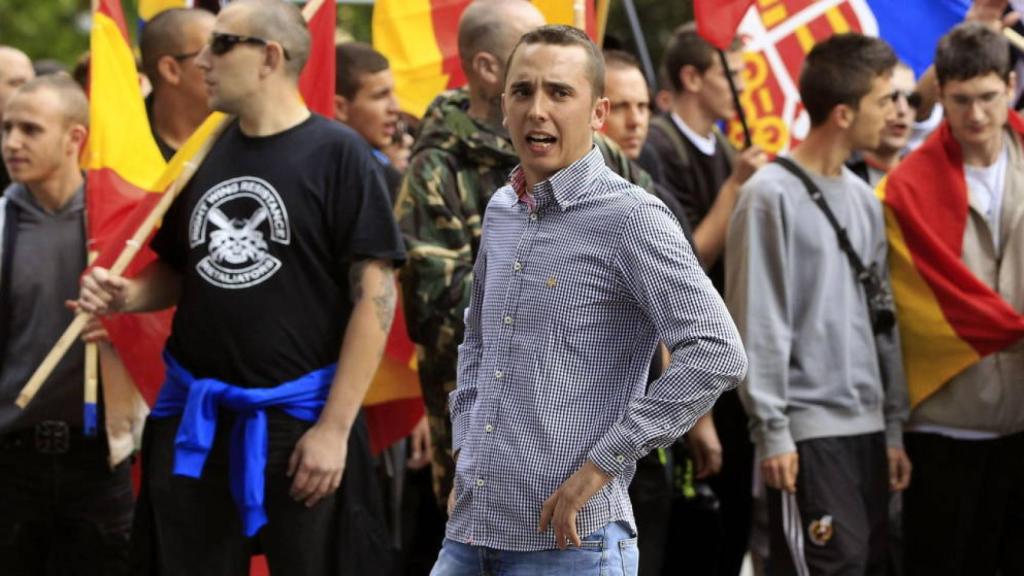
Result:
[
  {"x": 825, "y": 390},
  {"x": 62, "y": 508}
]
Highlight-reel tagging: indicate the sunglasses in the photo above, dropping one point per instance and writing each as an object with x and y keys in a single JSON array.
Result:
[
  {"x": 221, "y": 43},
  {"x": 185, "y": 56},
  {"x": 913, "y": 98}
]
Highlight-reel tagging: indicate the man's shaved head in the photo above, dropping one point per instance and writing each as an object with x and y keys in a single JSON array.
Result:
[
  {"x": 75, "y": 106},
  {"x": 15, "y": 70},
  {"x": 494, "y": 26},
  {"x": 166, "y": 35},
  {"x": 281, "y": 22}
]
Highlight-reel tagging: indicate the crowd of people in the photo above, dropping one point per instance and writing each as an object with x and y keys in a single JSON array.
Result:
[{"x": 641, "y": 348}]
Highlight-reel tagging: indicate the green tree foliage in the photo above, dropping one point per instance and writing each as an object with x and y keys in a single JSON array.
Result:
[{"x": 54, "y": 29}]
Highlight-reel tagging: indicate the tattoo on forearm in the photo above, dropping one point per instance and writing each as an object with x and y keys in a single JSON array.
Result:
[{"x": 384, "y": 303}]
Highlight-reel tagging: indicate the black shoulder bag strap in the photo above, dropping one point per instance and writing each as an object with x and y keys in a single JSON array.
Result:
[{"x": 819, "y": 199}]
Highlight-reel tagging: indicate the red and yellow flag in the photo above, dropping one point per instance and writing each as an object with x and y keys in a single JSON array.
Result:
[
  {"x": 123, "y": 167},
  {"x": 948, "y": 318},
  {"x": 420, "y": 40}
]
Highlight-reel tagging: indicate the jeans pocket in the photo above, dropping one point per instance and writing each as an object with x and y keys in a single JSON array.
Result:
[{"x": 630, "y": 556}]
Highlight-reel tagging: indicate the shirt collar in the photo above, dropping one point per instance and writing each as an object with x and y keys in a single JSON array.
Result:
[
  {"x": 564, "y": 187},
  {"x": 706, "y": 144}
]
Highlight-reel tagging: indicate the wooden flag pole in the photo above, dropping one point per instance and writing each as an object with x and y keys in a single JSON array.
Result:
[
  {"x": 128, "y": 253},
  {"x": 1014, "y": 37},
  {"x": 92, "y": 364},
  {"x": 579, "y": 14}
]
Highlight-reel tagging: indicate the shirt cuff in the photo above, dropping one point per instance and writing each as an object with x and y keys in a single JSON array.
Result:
[
  {"x": 773, "y": 442},
  {"x": 614, "y": 452},
  {"x": 894, "y": 434}
]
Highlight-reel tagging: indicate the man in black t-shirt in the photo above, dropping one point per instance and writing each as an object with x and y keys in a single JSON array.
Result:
[{"x": 278, "y": 254}]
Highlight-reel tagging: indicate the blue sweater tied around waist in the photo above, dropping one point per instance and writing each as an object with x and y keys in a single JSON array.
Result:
[{"x": 197, "y": 401}]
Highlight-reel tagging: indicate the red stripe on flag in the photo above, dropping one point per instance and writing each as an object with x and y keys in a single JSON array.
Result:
[
  {"x": 112, "y": 8},
  {"x": 139, "y": 340},
  {"x": 317, "y": 80},
  {"x": 116, "y": 210},
  {"x": 934, "y": 234},
  {"x": 445, "y": 14},
  {"x": 717, "y": 20},
  {"x": 391, "y": 421}
]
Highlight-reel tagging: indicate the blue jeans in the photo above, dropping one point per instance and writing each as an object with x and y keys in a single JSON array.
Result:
[{"x": 610, "y": 551}]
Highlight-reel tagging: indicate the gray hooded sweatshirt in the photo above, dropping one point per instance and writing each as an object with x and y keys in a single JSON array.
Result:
[
  {"x": 816, "y": 368},
  {"x": 48, "y": 258}
]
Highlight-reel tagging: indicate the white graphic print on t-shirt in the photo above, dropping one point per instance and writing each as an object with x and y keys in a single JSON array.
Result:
[{"x": 233, "y": 220}]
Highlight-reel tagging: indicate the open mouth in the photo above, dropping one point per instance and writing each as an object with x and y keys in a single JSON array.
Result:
[{"x": 539, "y": 141}]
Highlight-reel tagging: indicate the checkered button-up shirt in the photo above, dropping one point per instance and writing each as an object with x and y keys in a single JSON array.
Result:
[{"x": 569, "y": 301}]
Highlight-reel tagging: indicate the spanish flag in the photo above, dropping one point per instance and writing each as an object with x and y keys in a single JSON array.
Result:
[
  {"x": 948, "y": 318},
  {"x": 420, "y": 40},
  {"x": 123, "y": 167}
]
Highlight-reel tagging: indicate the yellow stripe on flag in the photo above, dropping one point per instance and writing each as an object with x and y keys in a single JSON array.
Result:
[
  {"x": 150, "y": 8},
  {"x": 932, "y": 351},
  {"x": 556, "y": 11},
  {"x": 189, "y": 149},
  {"x": 404, "y": 32},
  {"x": 124, "y": 145}
]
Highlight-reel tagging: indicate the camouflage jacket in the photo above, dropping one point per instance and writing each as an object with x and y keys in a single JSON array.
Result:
[{"x": 457, "y": 164}]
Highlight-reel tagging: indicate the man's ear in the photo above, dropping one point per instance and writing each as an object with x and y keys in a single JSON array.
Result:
[
  {"x": 341, "y": 108},
  {"x": 487, "y": 68},
  {"x": 599, "y": 114},
  {"x": 169, "y": 70},
  {"x": 76, "y": 137},
  {"x": 843, "y": 116},
  {"x": 690, "y": 79}
]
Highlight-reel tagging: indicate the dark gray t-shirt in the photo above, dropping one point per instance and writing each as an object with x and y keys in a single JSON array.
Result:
[{"x": 48, "y": 258}]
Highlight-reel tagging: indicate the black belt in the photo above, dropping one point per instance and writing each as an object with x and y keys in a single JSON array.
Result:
[{"x": 52, "y": 437}]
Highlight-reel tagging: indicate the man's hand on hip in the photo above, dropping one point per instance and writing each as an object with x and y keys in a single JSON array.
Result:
[
  {"x": 317, "y": 464},
  {"x": 559, "y": 511}
]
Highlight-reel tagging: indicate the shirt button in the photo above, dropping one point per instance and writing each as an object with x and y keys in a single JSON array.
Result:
[
  {"x": 488, "y": 428},
  {"x": 620, "y": 458},
  {"x": 479, "y": 482},
  {"x": 517, "y": 266},
  {"x": 508, "y": 319},
  {"x": 498, "y": 374},
  {"x": 533, "y": 216}
]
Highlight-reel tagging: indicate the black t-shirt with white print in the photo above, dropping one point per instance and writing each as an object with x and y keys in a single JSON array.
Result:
[{"x": 264, "y": 235}]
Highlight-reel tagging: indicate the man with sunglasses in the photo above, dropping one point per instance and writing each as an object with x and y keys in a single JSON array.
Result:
[
  {"x": 873, "y": 165},
  {"x": 278, "y": 254},
  {"x": 170, "y": 43}
]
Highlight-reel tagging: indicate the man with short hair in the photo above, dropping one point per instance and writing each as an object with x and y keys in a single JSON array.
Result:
[
  {"x": 872, "y": 165},
  {"x": 364, "y": 99},
  {"x": 461, "y": 156},
  {"x": 169, "y": 44},
  {"x": 15, "y": 70},
  {"x": 965, "y": 436},
  {"x": 63, "y": 508},
  {"x": 552, "y": 408},
  {"x": 278, "y": 255},
  {"x": 825, "y": 391}
]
